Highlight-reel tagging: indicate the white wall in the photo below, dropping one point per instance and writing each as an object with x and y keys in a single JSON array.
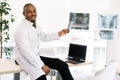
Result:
[
  {"x": 113, "y": 51},
  {"x": 93, "y": 7},
  {"x": 53, "y": 15}
]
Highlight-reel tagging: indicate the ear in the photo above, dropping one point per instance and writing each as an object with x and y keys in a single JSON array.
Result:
[{"x": 24, "y": 13}]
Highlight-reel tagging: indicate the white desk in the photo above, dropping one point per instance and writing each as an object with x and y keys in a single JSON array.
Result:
[
  {"x": 8, "y": 66},
  {"x": 80, "y": 64}
]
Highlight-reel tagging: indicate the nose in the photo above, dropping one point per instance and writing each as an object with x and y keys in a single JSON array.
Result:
[{"x": 33, "y": 13}]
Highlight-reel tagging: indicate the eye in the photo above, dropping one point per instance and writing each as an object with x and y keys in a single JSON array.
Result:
[
  {"x": 29, "y": 12},
  {"x": 34, "y": 11}
]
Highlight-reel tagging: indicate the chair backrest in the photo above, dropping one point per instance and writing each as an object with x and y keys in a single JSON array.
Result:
[
  {"x": 108, "y": 73},
  {"x": 113, "y": 49}
]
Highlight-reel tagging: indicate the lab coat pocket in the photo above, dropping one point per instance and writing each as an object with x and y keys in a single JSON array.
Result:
[{"x": 23, "y": 64}]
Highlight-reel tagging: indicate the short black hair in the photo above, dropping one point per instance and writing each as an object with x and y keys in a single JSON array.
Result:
[{"x": 26, "y": 6}]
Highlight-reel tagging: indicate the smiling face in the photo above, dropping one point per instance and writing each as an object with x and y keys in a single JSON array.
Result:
[{"x": 29, "y": 12}]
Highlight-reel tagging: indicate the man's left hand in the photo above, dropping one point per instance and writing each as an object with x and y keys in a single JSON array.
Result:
[{"x": 63, "y": 32}]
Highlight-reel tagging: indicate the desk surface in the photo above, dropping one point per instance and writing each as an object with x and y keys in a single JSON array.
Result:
[
  {"x": 8, "y": 66},
  {"x": 80, "y": 64}
]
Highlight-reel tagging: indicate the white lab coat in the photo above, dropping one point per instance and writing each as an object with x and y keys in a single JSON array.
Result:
[{"x": 27, "y": 50}]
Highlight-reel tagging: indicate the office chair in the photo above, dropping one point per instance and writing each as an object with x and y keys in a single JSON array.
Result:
[{"x": 108, "y": 73}]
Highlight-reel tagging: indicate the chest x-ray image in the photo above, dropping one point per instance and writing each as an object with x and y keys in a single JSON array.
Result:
[{"x": 108, "y": 21}]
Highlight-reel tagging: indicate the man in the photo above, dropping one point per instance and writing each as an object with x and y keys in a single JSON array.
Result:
[{"x": 28, "y": 55}]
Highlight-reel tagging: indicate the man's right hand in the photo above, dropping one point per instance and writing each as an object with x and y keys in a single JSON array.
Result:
[{"x": 46, "y": 69}]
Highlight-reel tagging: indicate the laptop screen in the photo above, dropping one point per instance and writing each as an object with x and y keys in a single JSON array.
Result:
[{"x": 77, "y": 51}]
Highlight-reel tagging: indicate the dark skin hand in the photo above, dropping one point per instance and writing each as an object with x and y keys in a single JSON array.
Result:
[
  {"x": 63, "y": 32},
  {"x": 46, "y": 69}
]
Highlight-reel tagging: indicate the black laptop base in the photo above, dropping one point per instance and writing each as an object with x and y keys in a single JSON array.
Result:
[{"x": 74, "y": 61}]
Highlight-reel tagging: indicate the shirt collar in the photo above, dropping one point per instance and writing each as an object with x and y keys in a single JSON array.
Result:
[{"x": 31, "y": 23}]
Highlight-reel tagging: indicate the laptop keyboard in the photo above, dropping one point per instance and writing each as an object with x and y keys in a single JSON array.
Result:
[{"x": 74, "y": 61}]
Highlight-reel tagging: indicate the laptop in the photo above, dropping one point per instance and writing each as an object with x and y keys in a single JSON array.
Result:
[{"x": 76, "y": 53}]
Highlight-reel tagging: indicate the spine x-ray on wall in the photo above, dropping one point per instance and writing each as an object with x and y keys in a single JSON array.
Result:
[
  {"x": 79, "y": 21},
  {"x": 106, "y": 34}
]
